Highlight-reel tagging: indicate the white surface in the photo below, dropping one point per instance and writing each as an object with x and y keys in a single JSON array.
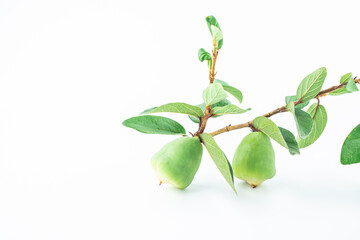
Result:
[{"x": 72, "y": 71}]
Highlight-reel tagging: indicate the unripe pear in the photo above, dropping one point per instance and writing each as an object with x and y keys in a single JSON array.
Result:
[
  {"x": 178, "y": 161},
  {"x": 254, "y": 159}
]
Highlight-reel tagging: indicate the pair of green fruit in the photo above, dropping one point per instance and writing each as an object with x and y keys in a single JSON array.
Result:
[{"x": 178, "y": 161}]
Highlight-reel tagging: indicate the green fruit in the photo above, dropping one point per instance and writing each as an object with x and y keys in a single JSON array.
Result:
[
  {"x": 254, "y": 159},
  {"x": 178, "y": 161}
]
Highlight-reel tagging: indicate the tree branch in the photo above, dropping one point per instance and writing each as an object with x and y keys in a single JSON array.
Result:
[{"x": 249, "y": 124}]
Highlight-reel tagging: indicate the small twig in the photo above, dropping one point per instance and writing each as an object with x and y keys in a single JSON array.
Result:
[{"x": 215, "y": 53}]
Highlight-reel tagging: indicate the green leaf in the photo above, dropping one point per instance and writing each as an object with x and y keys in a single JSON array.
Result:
[
  {"x": 216, "y": 33},
  {"x": 222, "y": 103},
  {"x": 289, "y": 99},
  {"x": 304, "y": 123},
  {"x": 154, "y": 125},
  {"x": 229, "y": 109},
  {"x": 221, "y": 82},
  {"x": 209, "y": 63},
  {"x": 148, "y": 110},
  {"x": 350, "y": 151},
  {"x": 282, "y": 136},
  {"x": 235, "y": 92},
  {"x": 311, "y": 85},
  {"x": 203, "y": 55},
  {"x": 211, "y": 21},
  {"x": 195, "y": 119},
  {"x": 179, "y": 108},
  {"x": 219, "y": 158},
  {"x": 303, "y": 120},
  {"x": 220, "y": 43},
  {"x": 290, "y": 141},
  {"x": 268, "y": 127},
  {"x": 319, "y": 117},
  {"x": 291, "y": 107},
  {"x": 232, "y": 90},
  {"x": 339, "y": 91},
  {"x": 351, "y": 86},
  {"x": 214, "y": 93},
  {"x": 346, "y": 78}
]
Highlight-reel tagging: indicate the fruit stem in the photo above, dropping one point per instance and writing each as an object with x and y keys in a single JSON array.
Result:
[{"x": 249, "y": 124}]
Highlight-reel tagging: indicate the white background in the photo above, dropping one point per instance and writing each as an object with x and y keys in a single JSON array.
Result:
[{"x": 72, "y": 71}]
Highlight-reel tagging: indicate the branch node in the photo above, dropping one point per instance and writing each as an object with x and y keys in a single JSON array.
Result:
[
  {"x": 227, "y": 128},
  {"x": 251, "y": 126}
]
